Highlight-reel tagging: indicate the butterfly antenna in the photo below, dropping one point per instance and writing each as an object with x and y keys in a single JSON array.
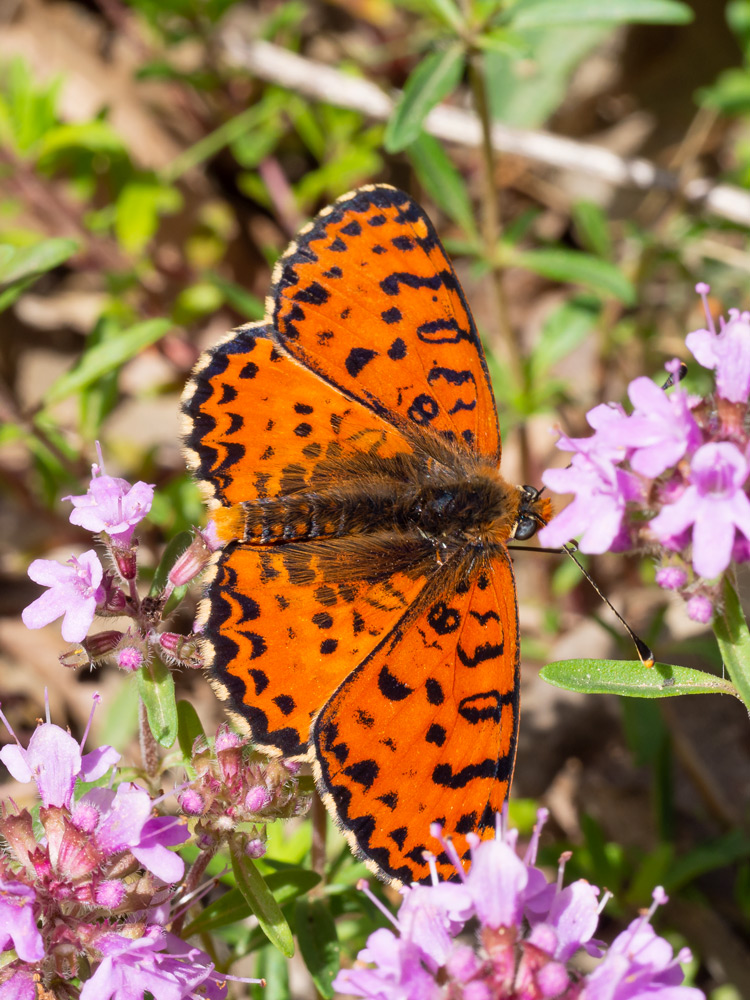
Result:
[{"x": 645, "y": 655}]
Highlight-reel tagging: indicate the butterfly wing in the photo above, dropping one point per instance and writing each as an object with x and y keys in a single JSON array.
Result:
[
  {"x": 438, "y": 738},
  {"x": 367, "y": 298},
  {"x": 256, "y": 424},
  {"x": 276, "y": 649}
]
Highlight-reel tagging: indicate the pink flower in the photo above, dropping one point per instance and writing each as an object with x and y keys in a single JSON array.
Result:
[
  {"x": 18, "y": 922},
  {"x": 75, "y": 590},
  {"x": 20, "y": 985},
  {"x": 111, "y": 505},
  {"x": 659, "y": 431},
  {"x": 714, "y": 505},
  {"x": 602, "y": 491},
  {"x": 157, "y": 963},
  {"x": 728, "y": 352},
  {"x": 55, "y": 762}
]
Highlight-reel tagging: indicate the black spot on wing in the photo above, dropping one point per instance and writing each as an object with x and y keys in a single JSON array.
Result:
[
  {"x": 357, "y": 359},
  {"x": 391, "y": 687}
]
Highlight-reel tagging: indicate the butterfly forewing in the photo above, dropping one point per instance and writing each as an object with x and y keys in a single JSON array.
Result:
[{"x": 367, "y": 297}]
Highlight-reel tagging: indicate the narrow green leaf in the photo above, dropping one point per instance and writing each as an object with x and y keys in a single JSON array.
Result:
[
  {"x": 432, "y": 80},
  {"x": 548, "y": 13},
  {"x": 733, "y": 637},
  {"x": 94, "y": 136},
  {"x": 632, "y": 679},
  {"x": 174, "y": 549},
  {"x": 592, "y": 227},
  {"x": 445, "y": 11},
  {"x": 562, "y": 332},
  {"x": 156, "y": 688},
  {"x": 105, "y": 357},
  {"x": 318, "y": 942},
  {"x": 189, "y": 727},
  {"x": 260, "y": 899},
  {"x": 578, "y": 269},
  {"x": 720, "y": 853},
  {"x": 22, "y": 262},
  {"x": 440, "y": 179},
  {"x": 232, "y": 907},
  {"x": 20, "y": 267}
]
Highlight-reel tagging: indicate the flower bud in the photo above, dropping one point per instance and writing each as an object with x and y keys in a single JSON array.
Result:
[
  {"x": 181, "y": 649},
  {"x": 130, "y": 658},
  {"x": 671, "y": 577},
  {"x": 193, "y": 561},
  {"x": 255, "y": 848},
  {"x": 257, "y": 798},
  {"x": 700, "y": 609},
  {"x": 125, "y": 561}
]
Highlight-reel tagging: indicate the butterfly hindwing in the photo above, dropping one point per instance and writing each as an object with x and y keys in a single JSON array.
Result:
[
  {"x": 276, "y": 650},
  {"x": 425, "y": 729},
  {"x": 367, "y": 297}
]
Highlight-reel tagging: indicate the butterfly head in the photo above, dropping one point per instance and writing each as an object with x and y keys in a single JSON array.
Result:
[{"x": 533, "y": 513}]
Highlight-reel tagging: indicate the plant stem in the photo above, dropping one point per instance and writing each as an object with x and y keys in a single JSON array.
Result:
[
  {"x": 319, "y": 818},
  {"x": 149, "y": 747},
  {"x": 491, "y": 233}
]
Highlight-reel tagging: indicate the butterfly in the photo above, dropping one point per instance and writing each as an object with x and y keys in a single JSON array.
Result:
[{"x": 362, "y": 614}]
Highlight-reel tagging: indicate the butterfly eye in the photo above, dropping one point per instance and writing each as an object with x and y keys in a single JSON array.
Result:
[{"x": 525, "y": 528}]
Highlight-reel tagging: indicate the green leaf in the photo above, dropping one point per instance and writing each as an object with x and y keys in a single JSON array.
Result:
[
  {"x": 526, "y": 92},
  {"x": 592, "y": 227},
  {"x": 285, "y": 885},
  {"x": 20, "y": 267},
  {"x": 105, "y": 357},
  {"x": 318, "y": 942},
  {"x": 260, "y": 899},
  {"x": 442, "y": 182},
  {"x": 432, "y": 80},
  {"x": 719, "y": 853},
  {"x": 94, "y": 136},
  {"x": 632, "y": 679},
  {"x": 444, "y": 11},
  {"x": 545, "y": 13},
  {"x": 156, "y": 688},
  {"x": 189, "y": 727},
  {"x": 578, "y": 269},
  {"x": 174, "y": 549},
  {"x": 733, "y": 637},
  {"x": 562, "y": 332},
  {"x": 137, "y": 212}
]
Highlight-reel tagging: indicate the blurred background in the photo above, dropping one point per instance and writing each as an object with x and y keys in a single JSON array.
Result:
[{"x": 156, "y": 156}]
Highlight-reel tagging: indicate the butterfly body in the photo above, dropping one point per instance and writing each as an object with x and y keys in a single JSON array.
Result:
[{"x": 362, "y": 612}]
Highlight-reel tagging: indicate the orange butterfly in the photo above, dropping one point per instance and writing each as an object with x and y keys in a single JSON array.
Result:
[{"x": 362, "y": 614}]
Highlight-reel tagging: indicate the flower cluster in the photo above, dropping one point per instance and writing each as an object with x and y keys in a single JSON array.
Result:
[
  {"x": 236, "y": 793},
  {"x": 85, "y": 895},
  {"x": 529, "y": 929},
  {"x": 81, "y": 589},
  {"x": 670, "y": 478}
]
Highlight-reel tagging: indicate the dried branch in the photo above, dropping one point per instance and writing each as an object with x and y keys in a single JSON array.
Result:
[{"x": 324, "y": 83}]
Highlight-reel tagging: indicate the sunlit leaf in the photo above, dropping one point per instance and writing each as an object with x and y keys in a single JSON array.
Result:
[
  {"x": 632, "y": 679},
  {"x": 544, "y": 13},
  {"x": 318, "y": 942},
  {"x": 433, "y": 79},
  {"x": 156, "y": 688},
  {"x": 105, "y": 357},
  {"x": 260, "y": 899},
  {"x": 577, "y": 268}
]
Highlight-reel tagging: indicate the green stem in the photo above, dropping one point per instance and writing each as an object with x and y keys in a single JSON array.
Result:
[{"x": 733, "y": 636}]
